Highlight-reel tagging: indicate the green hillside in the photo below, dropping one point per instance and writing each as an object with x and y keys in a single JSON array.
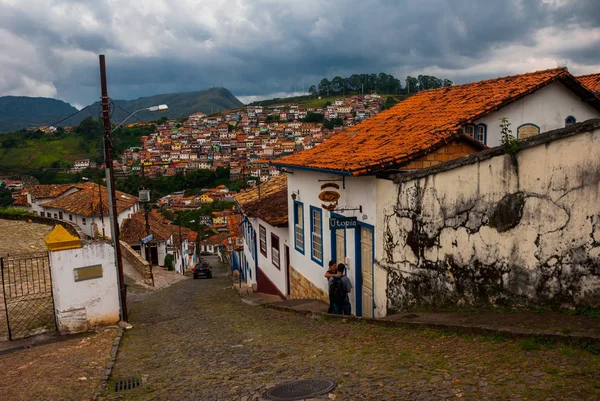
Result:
[
  {"x": 17, "y": 112},
  {"x": 180, "y": 105},
  {"x": 25, "y": 151},
  {"x": 35, "y": 154}
]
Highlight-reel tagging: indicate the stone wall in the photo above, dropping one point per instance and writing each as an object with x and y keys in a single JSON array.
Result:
[
  {"x": 136, "y": 260},
  {"x": 515, "y": 230},
  {"x": 302, "y": 288}
]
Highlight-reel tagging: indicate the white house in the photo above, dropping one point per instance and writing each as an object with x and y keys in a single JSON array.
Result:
[
  {"x": 342, "y": 181},
  {"x": 265, "y": 231},
  {"x": 85, "y": 205},
  {"x": 166, "y": 239}
]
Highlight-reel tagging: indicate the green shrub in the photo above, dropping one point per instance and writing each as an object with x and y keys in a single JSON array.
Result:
[
  {"x": 169, "y": 262},
  {"x": 14, "y": 211}
]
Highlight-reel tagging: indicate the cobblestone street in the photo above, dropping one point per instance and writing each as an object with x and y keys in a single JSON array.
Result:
[{"x": 197, "y": 340}]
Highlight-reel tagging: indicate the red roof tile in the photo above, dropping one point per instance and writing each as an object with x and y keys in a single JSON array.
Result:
[
  {"x": 47, "y": 191},
  {"x": 421, "y": 123},
  {"x": 271, "y": 208},
  {"x": 591, "y": 81},
  {"x": 90, "y": 199}
]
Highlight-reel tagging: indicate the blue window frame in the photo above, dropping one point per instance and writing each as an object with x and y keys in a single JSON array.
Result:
[
  {"x": 527, "y": 130},
  {"x": 299, "y": 226},
  {"x": 481, "y": 133},
  {"x": 316, "y": 235},
  {"x": 570, "y": 120}
]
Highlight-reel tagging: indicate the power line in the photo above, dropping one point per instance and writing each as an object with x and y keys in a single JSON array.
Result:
[
  {"x": 66, "y": 118},
  {"x": 129, "y": 113}
]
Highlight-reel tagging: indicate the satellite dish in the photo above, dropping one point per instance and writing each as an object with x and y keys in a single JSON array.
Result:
[{"x": 29, "y": 180}]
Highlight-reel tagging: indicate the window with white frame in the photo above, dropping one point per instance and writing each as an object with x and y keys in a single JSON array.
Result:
[
  {"x": 299, "y": 226},
  {"x": 481, "y": 133},
  {"x": 316, "y": 232},
  {"x": 262, "y": 234},
  {"x": 275, "y": 250}
]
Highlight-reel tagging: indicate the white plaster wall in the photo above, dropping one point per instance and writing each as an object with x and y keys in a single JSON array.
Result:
[
  {"x": 248, "y": 254},
  {"x": 386, "y": 194},
  {"x": 97, "y": 299},
  {"x": 550, "y": 257},
  {"x": 277, "y": 276},
  {"x": 88, "y": 227},
  {"x": 547, "y": 108},
  {"x": 359, "y": 191}
]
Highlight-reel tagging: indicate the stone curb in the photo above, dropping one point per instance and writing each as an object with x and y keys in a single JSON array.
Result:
[
  {"x": 109, "y": 366},
  {"x": 569, "y": 339}
]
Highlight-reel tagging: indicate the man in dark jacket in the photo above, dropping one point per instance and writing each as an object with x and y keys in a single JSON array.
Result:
[
  {"x": 339, "y": 287},
  {"x": 332, "y": 271}
]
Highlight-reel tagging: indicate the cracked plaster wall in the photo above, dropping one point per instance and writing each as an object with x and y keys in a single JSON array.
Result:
[{"x": 506, "y": 231}]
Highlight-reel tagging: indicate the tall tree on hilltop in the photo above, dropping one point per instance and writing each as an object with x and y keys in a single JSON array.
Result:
[{"x": 324, "y": 86}]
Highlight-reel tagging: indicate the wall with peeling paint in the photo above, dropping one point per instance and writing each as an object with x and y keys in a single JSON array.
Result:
[{"x": 520, "y": 230}]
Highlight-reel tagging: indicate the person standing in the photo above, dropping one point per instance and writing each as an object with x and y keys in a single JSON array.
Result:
[
  {"x": 339, "y": 288},
  {"x": 331, "y": 272}
]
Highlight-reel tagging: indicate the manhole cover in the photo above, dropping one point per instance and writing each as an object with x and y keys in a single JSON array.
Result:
[
  {"x": 127, "y": 384},
  {"x": 300, "y": 389}
]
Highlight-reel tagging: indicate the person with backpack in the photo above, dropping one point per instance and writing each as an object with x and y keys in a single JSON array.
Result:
[
  {"x": 331, "y": 272},
  {"x": 339, "y": 287}
]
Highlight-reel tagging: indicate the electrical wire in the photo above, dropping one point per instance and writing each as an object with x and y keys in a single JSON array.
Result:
[{"x": 72, "y": 115}]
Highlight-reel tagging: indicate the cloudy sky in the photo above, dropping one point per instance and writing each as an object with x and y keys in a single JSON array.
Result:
[{"x": 260, "y": 47}]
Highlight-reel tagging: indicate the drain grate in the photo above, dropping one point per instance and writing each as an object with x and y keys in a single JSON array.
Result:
[
  {"x": 127, "y": 384},
  {"x": 300, "y": 389}
]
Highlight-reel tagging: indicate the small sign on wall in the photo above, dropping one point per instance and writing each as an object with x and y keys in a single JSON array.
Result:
[
  {"x": 87, "y": 272},
  {"x": 337, "y": 223}
]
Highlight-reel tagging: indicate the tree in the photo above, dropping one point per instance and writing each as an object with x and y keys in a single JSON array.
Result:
[
  {"x": 412, "y": 84},
  {"x": 324, "y": 86},
  {"x": 312, "y": 90},
  {"x": 447, "y": 82},
  {"x": 314, "y": 118},
  {"x": 90, "y": 129}
]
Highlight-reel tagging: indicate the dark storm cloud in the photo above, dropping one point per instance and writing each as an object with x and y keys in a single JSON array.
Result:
[{"x": 260, "y": 47}]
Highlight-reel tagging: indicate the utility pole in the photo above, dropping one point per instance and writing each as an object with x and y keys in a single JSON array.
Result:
[{"x": 110, "y": 186}]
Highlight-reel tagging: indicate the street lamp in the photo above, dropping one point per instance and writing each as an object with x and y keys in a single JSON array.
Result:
[
  {"x": 160, "y": 107},
  {"x": 110, "y": 179}
]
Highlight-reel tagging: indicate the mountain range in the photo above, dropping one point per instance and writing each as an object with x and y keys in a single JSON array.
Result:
[{"x": 18, "y": 112}]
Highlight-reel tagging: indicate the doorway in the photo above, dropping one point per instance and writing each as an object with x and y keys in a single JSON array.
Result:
[{"x": 364, "y": 270}]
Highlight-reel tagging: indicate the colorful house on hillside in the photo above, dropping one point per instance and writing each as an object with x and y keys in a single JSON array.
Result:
[
  {"x": 337, "y": 189},
  {"x": 265, "y": 258}
]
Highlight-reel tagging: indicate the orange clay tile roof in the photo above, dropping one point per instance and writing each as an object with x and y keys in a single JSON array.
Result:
[
  {"x": 271, "y": 208},
  {"x": 21, "y": 200},
  {"x": 216, "y": 239},
  {"x": 90, "y": 199},
  {"x": 421, "y": 123},
  {"x": 591, "y": 81},
  {"x": 134, "y": 228},
  {"x": 233, "y": 223},
  {"x": 46, "y": 191},
  {"x": 269, "y": 187}
]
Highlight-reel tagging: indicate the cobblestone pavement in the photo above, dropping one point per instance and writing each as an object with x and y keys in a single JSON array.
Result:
[
  {"x": 196, "y": 340},
  {"x": 67, "y": 370}
]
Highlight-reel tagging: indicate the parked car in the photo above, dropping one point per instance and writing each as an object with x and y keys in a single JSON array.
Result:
[
  {"x": 202, "y": 269},
  {"x": 205, "y": 253}
]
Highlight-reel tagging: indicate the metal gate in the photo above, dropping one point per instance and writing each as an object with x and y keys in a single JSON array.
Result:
[{"x": 26, "y": 304}]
